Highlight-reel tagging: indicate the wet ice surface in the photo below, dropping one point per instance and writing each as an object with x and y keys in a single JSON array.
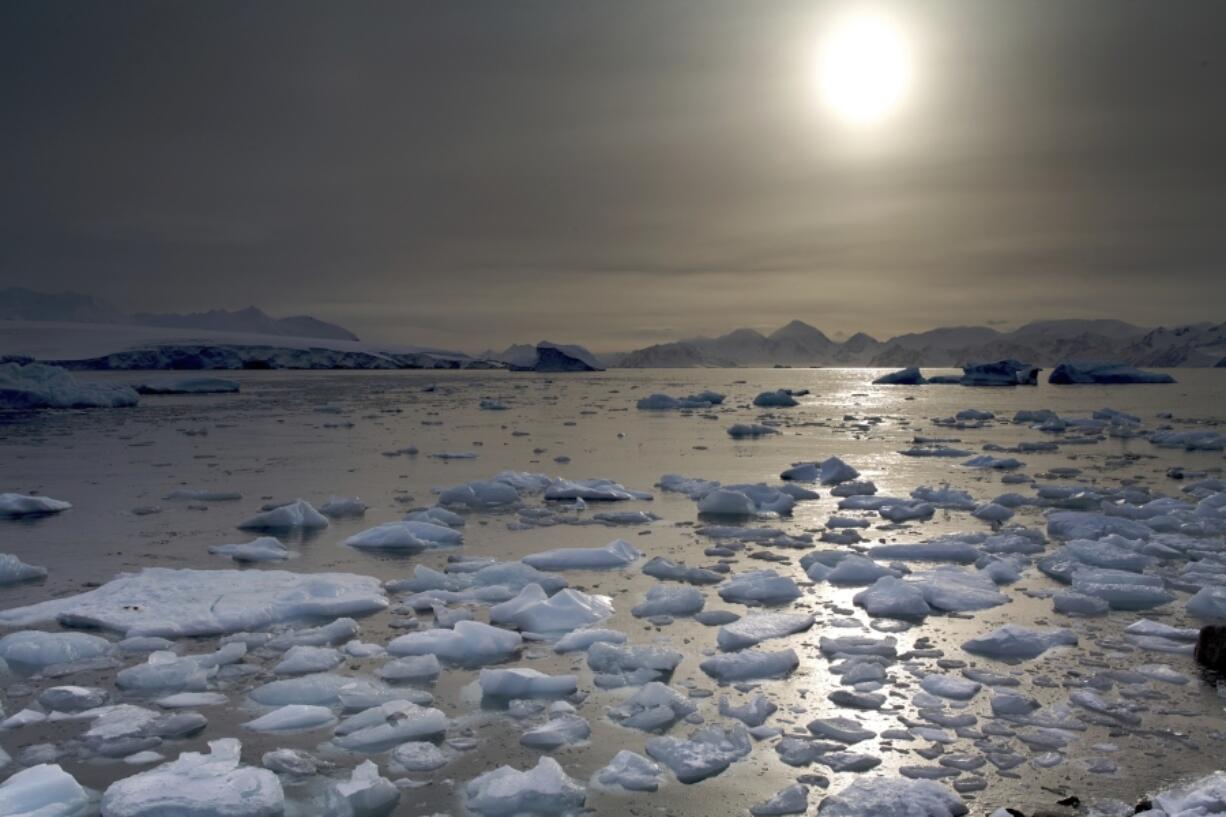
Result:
[{"x": 1119, "y": 713}]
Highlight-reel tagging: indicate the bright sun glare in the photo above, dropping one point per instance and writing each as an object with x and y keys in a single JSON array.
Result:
[{"x": 864, "y": 68}]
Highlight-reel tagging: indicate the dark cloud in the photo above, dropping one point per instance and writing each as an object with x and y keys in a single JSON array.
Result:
[{"x": 468, "y": 174}]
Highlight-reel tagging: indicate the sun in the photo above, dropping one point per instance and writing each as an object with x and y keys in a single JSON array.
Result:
[{"x": 864, "y": 68}]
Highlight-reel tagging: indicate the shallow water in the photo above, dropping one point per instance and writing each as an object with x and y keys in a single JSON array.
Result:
[{"x": 271, "y": 442}]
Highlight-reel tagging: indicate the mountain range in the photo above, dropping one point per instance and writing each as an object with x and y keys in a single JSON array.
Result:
[
  {"x": 1044, "y": 343},
  {"x": 20, "y": 304}
]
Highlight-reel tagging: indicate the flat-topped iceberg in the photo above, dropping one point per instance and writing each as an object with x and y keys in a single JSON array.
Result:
[
  {"x": 34, "y": 650},
  {"x": 617, "y": 553},
  {"x": 1013, "y": 641},
  {"x": 45, "y": 790},
  {"x": 706, "y": 753},
  {"x": 183, "y": 602},
  {"x": 24, "y": 505},
  {"x": 188, "y": 385},
  {"x": 890, "y": 796},
  {"x": 468, "y": 643},
  {"x": 1100, "y": 372}
]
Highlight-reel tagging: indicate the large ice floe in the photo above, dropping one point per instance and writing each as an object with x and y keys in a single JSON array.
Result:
[
  {"x": 35, "y": 385},
  {"x": 213, "y": 784},
  {"x": 617, "y": 553},
  {"x": 159, "y": 601},
  {"x": 544, "y": 790}
]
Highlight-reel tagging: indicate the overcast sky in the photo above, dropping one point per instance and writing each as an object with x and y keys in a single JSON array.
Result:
[{"x": 615, "y": 173}]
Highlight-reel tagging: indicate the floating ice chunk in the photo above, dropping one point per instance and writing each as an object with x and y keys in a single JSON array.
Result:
[
  {"x": 906, "y": 511},
  {"x": 437, "y": 515},
  {"x": 72, "y": 698},
  {"x": 564, "y": 730},
  {"x": 630, "y": 665},
  {"x": 859, "y": 645},
  {"x": 759, "y": 627},
  {"x": 334, "y": 632},
  {"x": 418, "y": 756},
  {"x": 844, "y": 730},
  {"x": 411, "y": 668},
  {"x": 944, "y": 497},
  {"x": 167, "y": 672},
  {"x": 321, "y": 689},
  {"x": 693, "y": 487},
  {"x": 45, "y": 790},
  {"x": 524, "y": 682},
  {"x": 23, "y": 505},
  {"x": 1078, "y": 604},
  {"x": 366, "y": 793},
  {"x": 35, "y": 385},
  {"x": 534, "y": 611},
  {"x": 292, "y": 718},
  {"x": 726, "y": 502},
  {"x": 750, "y": 431},
  {"x": 1209, "y": 602},
  {"x": 1090, "y": 525},
  {"x": 592, "y": 490},
  {"x": 1199, "y": 798},
  {"x": 949, "y": 686},
  {"x": 893, "y": 797},
  {"x": 661, "y": 568},
  {"x": 617, "y": 553},
  {"x": 481, "y": 495},
  {"x": 909, "y": 376},
  {"x": 191, "y": 700},
  {"x": 752, "y": 713},
  {"x": 342, "y": 507},
  {"x": 792, "y": 800},
  {"x": 302, "y": 659},
  {"x": 750, "y": 665},
  {"x": 890, "y": 597},
  {"x": 630, "y": 771},
  {"x": 852, "y": 570},
  {"x": 994, "y": 463},
  {"x": 654, "y": 708},
  {"x": 950, "y": 589},
  {"x": 1013, "y": 641},
  {"x": 468, "y": 643},
  {"x": 1121, "y": 589},
  {"x": 188, "y": 385},
  {"x": 945, "y": 549},
  {"x": 175, "y": 603},
  {"x": 706, "y": 753},
  {"x": 32, "y": 650},
  {"x": 405, "y": 535},
  {"x": 13, "y": 570},
  {"x": 834, "y": 471},
  {"x": 775, "y": 399},
  {"x": 759, "y": 587},
  {"x": 263, "y": 549},
  {"x": 544, "y": 790},
  {"x": 213, "y": 784},
  {"x": 297, "y": 515},
  {"x": 381, "y": 727},
  {"x": 670, "y": 601},
  {"x": 991, "y": 512},
  {"x": 581, "y": 640}
]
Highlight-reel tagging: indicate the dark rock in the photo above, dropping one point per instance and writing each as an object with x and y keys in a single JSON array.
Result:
[{"x": 1211, "y": 647}]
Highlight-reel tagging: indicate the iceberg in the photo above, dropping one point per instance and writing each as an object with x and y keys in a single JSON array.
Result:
[
  {"x": 544, "y": 790},
  {"x": 298, "y": 515},
  {"x": 13, "y": 570},
  {"x": 468, "y": 643},
  {"x": 45, "y": 790},
  {"x": 706, "y": 753},
  {"x": 535, "y": 611},
  {"x": 1099, "y": 372},
  {"x": 617, "y": 553},
  {"x": 175, "y": 603},
  {"x": 411, "y": 536},
  {"x": 198, "y": 785},
  {"x": 35, "y": 385},
  {"x": 1013, "y": 641}
]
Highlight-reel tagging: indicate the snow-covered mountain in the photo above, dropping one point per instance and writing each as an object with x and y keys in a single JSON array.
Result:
[
  {"x": 1043, "y": 343},
  {"x": 21, "y": 304}
]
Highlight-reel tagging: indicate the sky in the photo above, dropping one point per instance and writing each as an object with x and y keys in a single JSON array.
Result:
[{"x": 615, "y": 173}]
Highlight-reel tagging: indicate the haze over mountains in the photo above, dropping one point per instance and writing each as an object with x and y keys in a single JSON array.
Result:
[
  {"x": 1043, "y": 343},
  {"x": 20, "y": 304}
]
